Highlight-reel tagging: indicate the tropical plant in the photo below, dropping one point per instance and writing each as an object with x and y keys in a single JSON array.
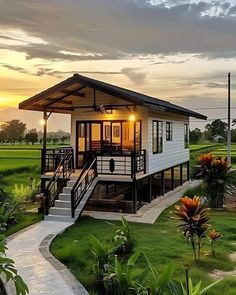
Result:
[
  {"x": 7, "y": 268},
  {"x": 123, "y": 279},
  {"x": 189, "y": 289},
  {"x": 160, "y": 284},
  {"x": 215, "y": 173},
  {"x": 102, "y": 252},
  {"x": 7, "y": 216},
  {"x": 214, "y": 236},
  {"x": 194, "y": 217},
  {"x": 123, "y": 239}
]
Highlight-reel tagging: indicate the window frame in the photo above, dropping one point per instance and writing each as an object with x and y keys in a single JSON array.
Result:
[
  {"x": 169, "y": 131},
  {"x": 158, "y": 136}
]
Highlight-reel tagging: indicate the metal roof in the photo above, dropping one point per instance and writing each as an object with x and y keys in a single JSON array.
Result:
[{"x": 59, "y": 98}]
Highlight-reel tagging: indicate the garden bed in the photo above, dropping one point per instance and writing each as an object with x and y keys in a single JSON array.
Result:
[{"x": 160, "y": 241}]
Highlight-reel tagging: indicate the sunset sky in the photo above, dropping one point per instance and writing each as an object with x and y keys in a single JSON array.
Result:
[{"x": 178, "y": 50}]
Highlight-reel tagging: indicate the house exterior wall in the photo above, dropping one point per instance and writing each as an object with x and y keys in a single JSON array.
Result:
[{"x": 174, "y": 152}]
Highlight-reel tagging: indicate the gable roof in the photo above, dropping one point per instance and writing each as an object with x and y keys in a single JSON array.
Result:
[{"x": 54, "y": 98}]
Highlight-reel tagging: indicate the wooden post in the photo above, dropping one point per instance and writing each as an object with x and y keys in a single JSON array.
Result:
[
  {"x": 172, "y": 177},
  {"x": 149, "y": 188},
  {"x": 134, "y": 195},
  {"x": 163, "y": 182}
]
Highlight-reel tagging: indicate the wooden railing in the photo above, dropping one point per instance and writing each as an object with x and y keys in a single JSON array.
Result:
[
  {"x": 81, "y": 186},
  {"x": 50, "y": 158},
  {"x": 59, "y": 179},
  {"x": 129, "y": 163}
]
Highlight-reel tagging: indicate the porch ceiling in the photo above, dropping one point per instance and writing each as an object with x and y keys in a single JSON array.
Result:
[{"x": 77, "y": 91}]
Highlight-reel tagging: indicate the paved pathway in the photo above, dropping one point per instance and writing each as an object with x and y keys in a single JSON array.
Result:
[{"x": 41, "y": 277}]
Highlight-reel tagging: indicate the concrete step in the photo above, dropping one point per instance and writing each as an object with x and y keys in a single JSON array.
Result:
[
  {"x": 60, "y": 211},
  {"x": 64, "y": 197},
  {"x": 62, "y": 204},
  {"x": 67, "y": 190},
  {"x": 70, "y": 183},
  {"x": 60, "y": 218}
]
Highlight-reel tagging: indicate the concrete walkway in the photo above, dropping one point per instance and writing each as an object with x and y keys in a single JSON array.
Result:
[
  {"x": 150, "y": 212},
  {"x": 40, "y": 276}
]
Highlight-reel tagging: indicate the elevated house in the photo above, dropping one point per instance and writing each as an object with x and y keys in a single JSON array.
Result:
[{"x": 127, "y": 148}]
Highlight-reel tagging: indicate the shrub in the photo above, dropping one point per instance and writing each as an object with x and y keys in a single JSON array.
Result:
[
  {"x": 215, "y": 173},
  {"x": 194, "y": 217},
  {"x": 123, "y": 239},
  {"x": 214, "y": 236}
]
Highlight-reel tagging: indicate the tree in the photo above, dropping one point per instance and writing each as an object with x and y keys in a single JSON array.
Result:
[
  {"x": 217, "y": 127},
  {"x": 14, "y": 130},
  {"x": 55, "y": 140},
  {"x": 2, "y": 136},
  {"x": 31, "y": 136},
  {"x": 195, "y": 135}
]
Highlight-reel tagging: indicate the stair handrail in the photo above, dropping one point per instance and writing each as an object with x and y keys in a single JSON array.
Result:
[
  {"x": 62, "y": 172},
  {"x": 86, "y": 179}
]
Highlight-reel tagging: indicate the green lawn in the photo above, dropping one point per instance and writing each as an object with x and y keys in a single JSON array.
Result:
[
  {"x": 219, "y": 150},
  {"x": 161, "y": 242}
]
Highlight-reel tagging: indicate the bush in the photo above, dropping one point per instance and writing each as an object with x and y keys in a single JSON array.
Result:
[{"x": 214, "y": 171}]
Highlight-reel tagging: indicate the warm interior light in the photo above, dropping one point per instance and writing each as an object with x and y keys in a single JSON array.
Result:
[
  {"x": 132, "y": 118},
  {"x": 42, "y": 122},
  {"x": 109, "y": 111}
]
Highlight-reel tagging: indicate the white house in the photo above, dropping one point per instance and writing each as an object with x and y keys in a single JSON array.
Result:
[{"x": 127, "y": 148}]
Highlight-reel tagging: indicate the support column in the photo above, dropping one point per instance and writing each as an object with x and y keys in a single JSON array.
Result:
[
  {"x": 163, "y": 182},
  {"x": 43, "y": 152},
  {"x": 172, "y": 177},
  {"x": 134, "y": 196},
  {"x": 149, "y": 188}
]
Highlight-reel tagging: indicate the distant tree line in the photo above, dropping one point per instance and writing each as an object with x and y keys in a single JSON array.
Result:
[
  {"x": 15, "y": 131},
  {"x": 215, "y": 131}
]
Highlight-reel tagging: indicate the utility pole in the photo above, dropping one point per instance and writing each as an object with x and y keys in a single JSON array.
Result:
[{"x": 229, "y": 122}]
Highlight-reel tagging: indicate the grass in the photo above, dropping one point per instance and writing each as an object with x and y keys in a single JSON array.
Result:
[
  {"x": 161, "y": 242},
  {"x": 217, "y": 149}
]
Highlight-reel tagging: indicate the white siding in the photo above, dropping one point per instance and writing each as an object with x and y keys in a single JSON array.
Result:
[{"x": 174, "y": 152}]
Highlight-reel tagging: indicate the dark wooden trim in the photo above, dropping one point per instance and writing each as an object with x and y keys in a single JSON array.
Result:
[{"x": 64, "y": 96}]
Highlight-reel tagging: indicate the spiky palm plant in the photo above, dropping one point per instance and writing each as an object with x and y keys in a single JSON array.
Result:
[
  {"x": 215, "y": 173},
  {"x": 194, "y": 217}
]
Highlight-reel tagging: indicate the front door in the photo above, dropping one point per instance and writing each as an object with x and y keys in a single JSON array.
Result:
[{"x": 89, "y": 141}]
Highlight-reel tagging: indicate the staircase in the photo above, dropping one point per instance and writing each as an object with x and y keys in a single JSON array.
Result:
[
  {"x": 69, "y": 204},
  {"x": 62, "y": 209}
]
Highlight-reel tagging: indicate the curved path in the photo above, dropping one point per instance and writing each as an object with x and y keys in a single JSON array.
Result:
[{"x": 41, "y": 277}]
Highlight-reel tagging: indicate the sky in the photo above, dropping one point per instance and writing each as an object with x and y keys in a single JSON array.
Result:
[{"x": 176, "y": 50}]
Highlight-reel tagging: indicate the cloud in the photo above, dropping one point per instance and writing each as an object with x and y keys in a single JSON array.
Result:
[
  {"x": 54, "y": 73},
  {"x": 110, "y": 29},
  {"x": 134, "y": 75}
]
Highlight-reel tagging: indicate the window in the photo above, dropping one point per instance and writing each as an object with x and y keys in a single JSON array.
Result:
[
  {"x": 186, "y": 136},
  {"x": 116, "y": 131},
  {"x": 169, "y": 131},
  {"x": 157, "y": 137}
]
